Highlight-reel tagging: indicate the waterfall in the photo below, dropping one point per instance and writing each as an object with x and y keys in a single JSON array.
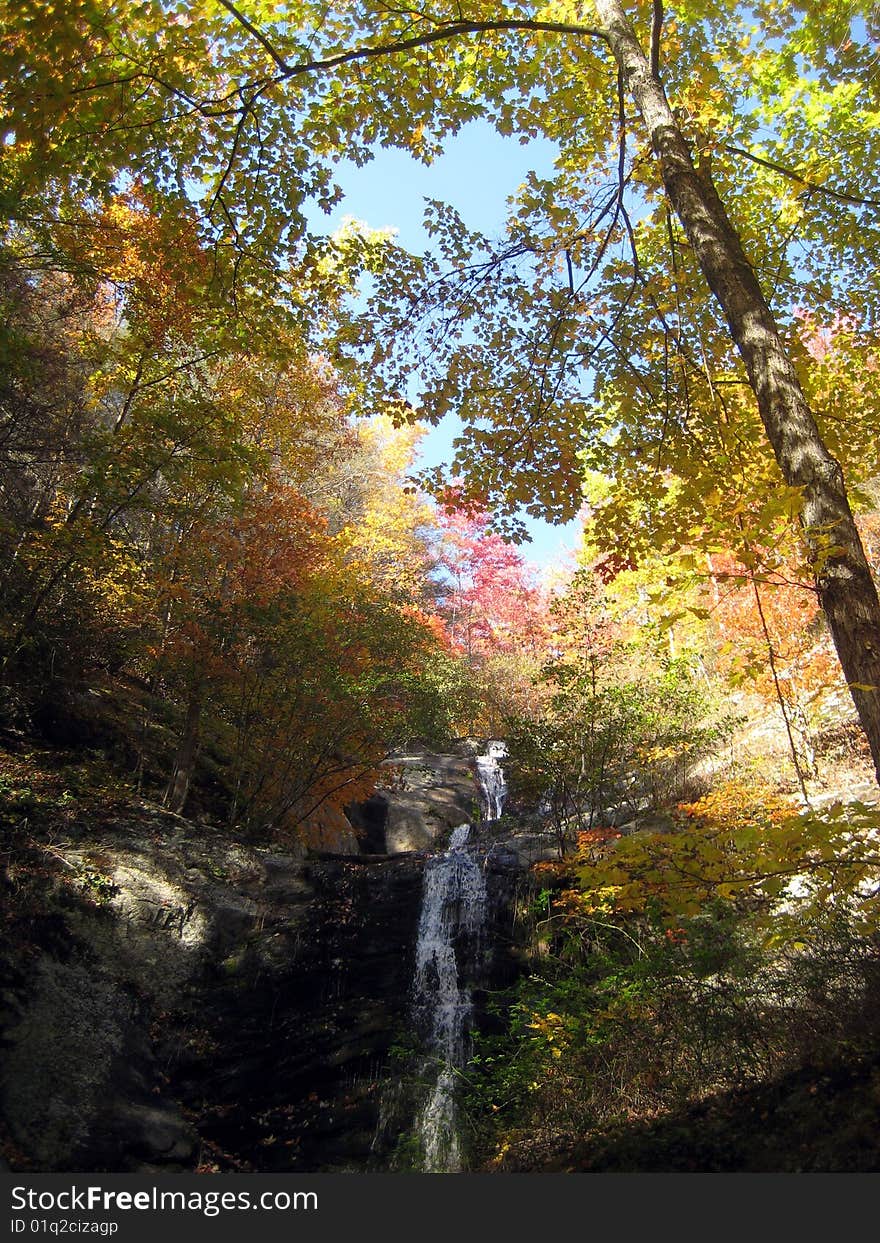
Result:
[
  {"x": 449, "y": 948},
  {"x": 491, "y": 778},
  {"x": 449, "y": 954}
]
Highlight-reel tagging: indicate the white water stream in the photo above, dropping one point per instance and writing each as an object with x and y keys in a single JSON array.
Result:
[
  {"x": 449, "y": 952},
  {"x": 491, "y": 777}
]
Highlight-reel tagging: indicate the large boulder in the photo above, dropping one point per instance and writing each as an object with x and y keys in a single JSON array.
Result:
[{"x": 426, "y": 796}]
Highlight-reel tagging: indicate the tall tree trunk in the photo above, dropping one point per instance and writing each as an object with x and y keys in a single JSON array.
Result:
[
  {"x": 846, "y": 588},
  {"x": 187, "y": 750}
]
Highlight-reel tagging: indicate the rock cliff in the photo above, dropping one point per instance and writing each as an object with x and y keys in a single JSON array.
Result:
[{"x": 193, "y": 1002}]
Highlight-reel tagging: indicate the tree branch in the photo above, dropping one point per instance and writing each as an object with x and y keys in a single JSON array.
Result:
[
  {"x": 780, "y": 698},
  {"x": 656, "y": 31},
  {"x": 792, "y": 175},
  {"x": 257, "y": 34},
  {"x": 449, "y": 30}
]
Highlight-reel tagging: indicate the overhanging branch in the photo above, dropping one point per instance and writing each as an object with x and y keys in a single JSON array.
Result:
[
  {"x": 814, "y": 187},
  {"x": 444, "y": 32},
  {"x": 255, "y": 33}
]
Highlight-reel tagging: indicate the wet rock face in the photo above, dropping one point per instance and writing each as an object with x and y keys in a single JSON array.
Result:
[
  {"x": 302, "y": 1059},
  {"x": 226, "y": 1007},
  {"x": 509, "y": 884}
]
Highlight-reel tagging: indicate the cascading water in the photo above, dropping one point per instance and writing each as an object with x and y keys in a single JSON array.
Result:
[
  {"x": 449, "y": 954},
  {"x": 448, "y": 949},
  {"x": 491, "y": 778}
]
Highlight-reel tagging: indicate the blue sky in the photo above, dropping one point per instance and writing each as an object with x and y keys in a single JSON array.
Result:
[{"x": 477, "y": 173}]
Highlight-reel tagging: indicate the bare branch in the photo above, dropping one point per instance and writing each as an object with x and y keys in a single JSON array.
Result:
[{"x": 780, "y": 698}]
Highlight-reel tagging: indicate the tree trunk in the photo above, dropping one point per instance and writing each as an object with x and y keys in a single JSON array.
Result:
[
  {"x": 185, "y": 759},
  {"x": 846, "y": 588}
]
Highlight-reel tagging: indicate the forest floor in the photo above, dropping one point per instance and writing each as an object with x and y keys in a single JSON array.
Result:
[{"x": 818, "y": 1119}]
